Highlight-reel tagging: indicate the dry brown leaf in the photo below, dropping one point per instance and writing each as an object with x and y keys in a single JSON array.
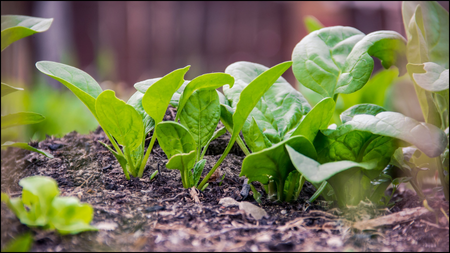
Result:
[{"x": 194, "y": 194}]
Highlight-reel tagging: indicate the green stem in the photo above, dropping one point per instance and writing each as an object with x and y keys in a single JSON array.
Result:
[
  {"x": 272, "y": 190},
  {"x": 129, "y": 161},
  {"x": 300, "y": 186},
  {"x": 222, "y": 157},
  {"x": 241, "y": 144},
  {"x": 147, "y": 154},
  {"x": 318, "y": 192},
  {"x": 438, "y": 162},
  {"x": 113, "y": 142},
  {"x": 280, "y": 190}
]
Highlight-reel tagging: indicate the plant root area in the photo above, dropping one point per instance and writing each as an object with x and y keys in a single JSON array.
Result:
[{"x": 160, "y": 215}]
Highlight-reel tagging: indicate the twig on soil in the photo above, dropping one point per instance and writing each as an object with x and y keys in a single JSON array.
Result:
[
  {"x": 433, "y": 225},
  {"x": 174, "y": 198},
  {"x": 399, "y": 217}
]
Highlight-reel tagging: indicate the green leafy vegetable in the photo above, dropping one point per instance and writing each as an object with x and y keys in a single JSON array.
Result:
[
  {"x": 16, "y": 27},
  {"x": 338, "y": 59},
  {"x": 248, "y": 98},
  {"x": 41, "y": 206},
  {"x": 312, "y": 24},
  {"x": 25, "y": 146},
  {"x": 21, "y": 118},
  {"x": 7, "y": 89},
  {"x": 274, "y": 164},
  {"x": 22, "y": 243}
]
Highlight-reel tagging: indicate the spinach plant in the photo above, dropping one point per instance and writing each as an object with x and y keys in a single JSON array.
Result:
[
  {"x": 128, "y": 123},
  {"x": 13, "y": 28},
  {"x": 185, "y": 144},
  {"x": 352, "y": 157},
  {"x": 426, "y": 25},
  {"x": 40, "y": 206}
]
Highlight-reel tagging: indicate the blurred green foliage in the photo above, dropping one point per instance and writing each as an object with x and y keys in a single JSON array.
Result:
[{"x": 63, "y": 111}]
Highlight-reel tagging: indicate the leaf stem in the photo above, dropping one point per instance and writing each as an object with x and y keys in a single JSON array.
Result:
[
  {"x": 241, "y": 144},
  {"x": 438, "y": 162},
  {"x": 113, "y": 142},
  {"x": 147, "y": 154},
  {"x": 318, "y": 192}
]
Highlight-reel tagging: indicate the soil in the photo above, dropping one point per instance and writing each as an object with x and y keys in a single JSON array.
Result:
[{"x": 160, "y": 215}]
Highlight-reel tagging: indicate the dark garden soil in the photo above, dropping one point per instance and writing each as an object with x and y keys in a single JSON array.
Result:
[{"x": 160, "y": 215}]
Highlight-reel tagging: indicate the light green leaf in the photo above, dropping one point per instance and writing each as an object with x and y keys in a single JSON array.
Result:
[
  {"x": 201, "y": 114},
  {"x": 274, "y": 162},
  {"x": 198, "y": 169},
  {"x": 16, "y": 27},
  {"x": 144, "y": 85},
  {"x": 157, "y": 97},
  {"x": 434, "y": 79},
  {"x": 183, "y": 162},
  {"x": 254, "y": 137},
  {"x": 318, "y": 118},
  {"x": 371, "y": 109},
  {"x": 78, "y": 81},
  {"x": 23, "y": 145},
  {"x": 388, "y": 46},
  {"x": 119, "y": 119},
  {"x": 320, "y": 56},
  {"x": 69, "y": 216},
  {"x": 279, "y": 109},
  {"x": 7, "y": 89},
  {"x": 209, "y": 81},
  {"x": 312, "y": 24},
  {"x": 174, "y": 138},
  {"x": 315, "y": 172},
  {"x": 426, "y": 137},
  {"x": 21, "y": 118},
  {"x": 338, "y": 59},
  {"x": 21, "y": 243},
  {"x": 136, "y": 102}
]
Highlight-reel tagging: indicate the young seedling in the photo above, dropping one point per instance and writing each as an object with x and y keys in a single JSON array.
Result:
[
  {"x": 185, "y": 144},
  {"x": 40, "y": 206},
  {"x": 248, "y": 98},
  {"x": 124, "y": 124},
  {"x": 15, "y": 27}
]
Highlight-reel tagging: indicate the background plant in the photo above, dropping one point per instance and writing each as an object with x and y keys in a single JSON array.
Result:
[
  {"x": 13, "y": 28},
  {"x": 40, "y": 206},
  {"x": 426, "y": 25}
]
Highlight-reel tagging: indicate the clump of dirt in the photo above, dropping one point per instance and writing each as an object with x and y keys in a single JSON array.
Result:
[{"x": 160, "y": 215}]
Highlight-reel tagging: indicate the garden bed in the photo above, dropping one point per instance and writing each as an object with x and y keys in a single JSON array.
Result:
[{"x": 160, "y": 215}]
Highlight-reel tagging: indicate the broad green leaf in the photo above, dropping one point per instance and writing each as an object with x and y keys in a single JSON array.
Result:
[
  {"x": 144, "y": 85},
  {"x": 388, "y": 46},
  {"x": 338, "y": 59},
  {"x": 183, "y": 162},
  {"x": 7, "y": 89},
  {"x": 226, "y": 116},
  {"x": 78, "y": 81},
  {"x": 426, "y": 137},
  {"x": 312, "y": 24},
  {"x": 198, "y": 169},
  {"x": 69, "y": 216},
  {"x": 209, "y": 81},
  {"x": 315, "y": 172},
  {"x": 255, "y": 139},
  {"x": 371, "y": 109},
  {"x": 434, "y": 79},
  {"x": 119, "y": 119},
  {"x": 274, "y": 162},
  {"x": 201, "y": 114},
  {"x": 174, "y": 138},
  {"x": 279, "y": 109},
  {"x": 136, "y": 102},
  {"x": 16, "y": 27},
  {"x": 23, "y": 145},
  {"x": 356, "y": 146},
  {"x": 21, "y": 118},
  {"x": 157, "y": 97},
  {"x": 21, "y": 243},
  {"x": 318, "y": 118},
  {"x": 320, "y": 56}
]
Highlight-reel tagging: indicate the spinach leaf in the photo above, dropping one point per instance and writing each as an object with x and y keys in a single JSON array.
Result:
[
  {"x": 248, "y": 98},
  {"x": 20, "y": 118},
  {"x": 274, "y": 163},
  {"x": 277, "y": 112},
  {"x": 175, "y": 138},
  {"x": 7, "y": 89},
  {"x": 136, "y": 101},
  {"x": 16, "y": 27},
  {"x": 144, "y": 85},
  {"x": 338, "y": 59},
  {"x": 23, "y": 145}
]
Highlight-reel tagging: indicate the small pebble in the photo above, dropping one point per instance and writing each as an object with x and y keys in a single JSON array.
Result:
[{"x": 283, "y": 212}]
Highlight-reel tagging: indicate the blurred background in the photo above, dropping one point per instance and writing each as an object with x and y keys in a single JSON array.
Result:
[{"x": 121, "y": 43}]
